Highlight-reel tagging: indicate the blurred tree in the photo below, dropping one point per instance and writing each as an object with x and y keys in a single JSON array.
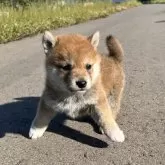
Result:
[
  {"x": 16, "y": 4},
  {"x": 145, "y": 1}
]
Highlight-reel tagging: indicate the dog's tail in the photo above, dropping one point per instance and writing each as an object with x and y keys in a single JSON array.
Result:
[{"x": 115, "y": 49}]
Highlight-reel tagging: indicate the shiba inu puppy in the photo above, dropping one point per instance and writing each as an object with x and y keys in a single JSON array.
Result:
[{"x": 80, "y": 81}]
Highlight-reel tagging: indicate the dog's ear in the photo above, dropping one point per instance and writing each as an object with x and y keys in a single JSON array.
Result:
[
  {"x": 48, "y": 42},
  {"x": 94, "y": 39}
]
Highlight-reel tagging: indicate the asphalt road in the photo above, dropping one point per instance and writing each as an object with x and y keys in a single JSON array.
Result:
[{"x": 142, "y": 33}]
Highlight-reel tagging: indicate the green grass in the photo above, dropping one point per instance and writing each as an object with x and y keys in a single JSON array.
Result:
[
  {"x": 157, "y": 1},
  {"x": 40, "y": 17}
]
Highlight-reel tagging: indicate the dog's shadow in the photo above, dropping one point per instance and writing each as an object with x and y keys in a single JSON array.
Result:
[{"x": 16, "y": 117}]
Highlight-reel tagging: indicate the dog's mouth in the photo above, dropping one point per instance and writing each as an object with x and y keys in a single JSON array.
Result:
[{"x": 82, "y": 90}]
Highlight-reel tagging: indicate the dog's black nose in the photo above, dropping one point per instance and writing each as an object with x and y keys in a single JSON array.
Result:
[{"x": 81, "y": 83}]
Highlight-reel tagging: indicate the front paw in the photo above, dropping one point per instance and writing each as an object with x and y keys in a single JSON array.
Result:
[
  {"x": 116, "y": 134},
  {"x": 35, "y": 133}
]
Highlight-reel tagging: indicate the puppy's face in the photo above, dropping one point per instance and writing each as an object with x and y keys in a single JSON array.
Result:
[{"x": 72, "y": 62}]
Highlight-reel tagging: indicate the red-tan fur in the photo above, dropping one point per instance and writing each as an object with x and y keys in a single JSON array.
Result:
[{"x": 105, "y": 82}]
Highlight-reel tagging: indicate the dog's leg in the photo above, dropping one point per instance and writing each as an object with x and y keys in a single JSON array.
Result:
[
  {"x": 102, "y": 114},
  {"x": 41, "y": 121},
  {"x": 115, "y": 100}
]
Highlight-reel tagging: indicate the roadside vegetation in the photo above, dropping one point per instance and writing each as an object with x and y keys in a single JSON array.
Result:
[
  {"x": 152, "y": 1},
  {"x": 35, "y": 17},
  {"x": 157, "y": 1}
]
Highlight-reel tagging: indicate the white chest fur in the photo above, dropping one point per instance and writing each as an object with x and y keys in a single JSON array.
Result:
[{"x": 72, "y": 105}]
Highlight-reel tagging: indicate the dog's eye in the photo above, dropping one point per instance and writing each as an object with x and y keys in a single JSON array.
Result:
[
  {"x": 88, "y": 66},
  {"x": 67, "y": 67}
]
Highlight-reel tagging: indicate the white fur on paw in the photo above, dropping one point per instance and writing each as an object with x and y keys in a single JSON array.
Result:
[
  {"x": 35, "y": 133},
  {"x": 116, "y": 134},
  {"x": 101, "y": 130}
]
